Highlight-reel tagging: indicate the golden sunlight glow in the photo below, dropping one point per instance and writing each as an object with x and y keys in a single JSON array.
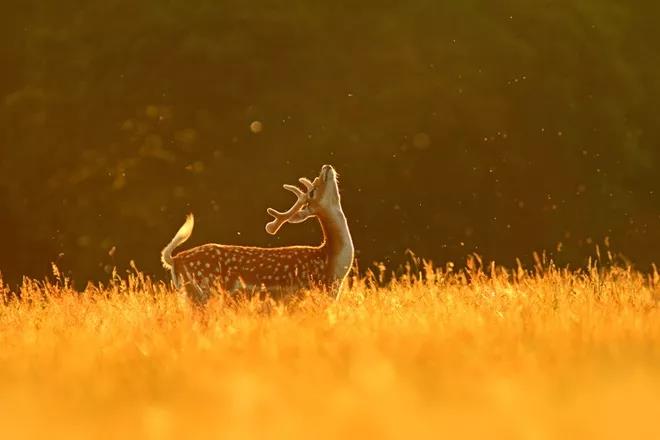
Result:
[{"x": 547, "y": 355}]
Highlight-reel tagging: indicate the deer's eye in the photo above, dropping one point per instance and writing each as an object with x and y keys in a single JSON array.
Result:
[{"x": 312, "y": 193}]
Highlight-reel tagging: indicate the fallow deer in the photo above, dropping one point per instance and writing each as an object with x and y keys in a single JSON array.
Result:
[{"x": 278, "y": 269}]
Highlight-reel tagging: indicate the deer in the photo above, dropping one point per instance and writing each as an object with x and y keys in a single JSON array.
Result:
[{"x": 276, "y": 270}]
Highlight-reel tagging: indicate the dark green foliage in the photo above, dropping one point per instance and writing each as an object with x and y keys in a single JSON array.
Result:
[{"x": 457, "y": 126}]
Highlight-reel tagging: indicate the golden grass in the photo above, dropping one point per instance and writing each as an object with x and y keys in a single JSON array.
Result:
[{"x": 556, "y": 354}]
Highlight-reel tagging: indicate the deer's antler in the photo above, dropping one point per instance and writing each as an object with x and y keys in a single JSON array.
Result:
[
  {"x": 308, "y": 184},
  {"x": 283, "y": 217}
]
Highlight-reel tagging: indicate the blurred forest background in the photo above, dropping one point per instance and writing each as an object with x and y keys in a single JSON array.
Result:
[{"x": 462, "y": 126}]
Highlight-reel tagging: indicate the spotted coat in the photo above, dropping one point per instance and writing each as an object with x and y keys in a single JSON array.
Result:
[{"x": 253, "y": 268}]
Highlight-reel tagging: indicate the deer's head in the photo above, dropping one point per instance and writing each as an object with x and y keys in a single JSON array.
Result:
[{"x": 319, "y": 198}]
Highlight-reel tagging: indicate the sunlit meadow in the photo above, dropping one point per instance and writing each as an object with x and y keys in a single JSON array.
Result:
[{"x": 484, "y": 352}]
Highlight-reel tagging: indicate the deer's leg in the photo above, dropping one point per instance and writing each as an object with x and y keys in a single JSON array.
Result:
[
  {"x": 197, "y": 293},
  {"x": 175, "y": 279}
]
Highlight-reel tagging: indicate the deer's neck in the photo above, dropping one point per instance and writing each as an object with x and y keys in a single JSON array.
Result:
[{"x": 337, "y": 242}]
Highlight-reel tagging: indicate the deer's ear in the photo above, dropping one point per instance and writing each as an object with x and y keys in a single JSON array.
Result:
[{"x": 300, "y": 216}]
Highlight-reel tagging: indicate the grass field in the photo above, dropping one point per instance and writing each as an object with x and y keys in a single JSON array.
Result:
[{"x": 483, "y": 353}]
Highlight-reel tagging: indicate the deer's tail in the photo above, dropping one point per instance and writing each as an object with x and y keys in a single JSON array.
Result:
[{"x": 181, "y": 236}]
